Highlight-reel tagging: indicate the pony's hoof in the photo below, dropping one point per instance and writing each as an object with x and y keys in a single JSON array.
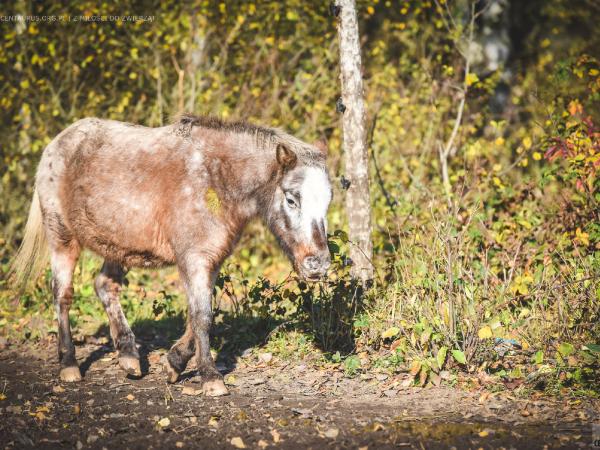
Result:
[
  {"x": 172, "y": 374},
  {"x": 130, "y": 365},
  {"x": 70, "y": 374},
  {"x": 214, "y": 388}
]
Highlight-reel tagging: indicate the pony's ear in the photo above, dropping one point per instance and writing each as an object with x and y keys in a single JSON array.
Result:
[
  {"x": 285, "y": 157},
  {"x": 321, "y": 145}
]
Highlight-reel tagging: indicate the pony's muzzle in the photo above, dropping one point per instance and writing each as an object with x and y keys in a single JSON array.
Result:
[{"x": 315, "y": 267}]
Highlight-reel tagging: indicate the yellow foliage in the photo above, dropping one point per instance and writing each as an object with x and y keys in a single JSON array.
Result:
[
  {"x": 521, "y": 284},
  {"x": 471, "y": 79},
  {"x": 390, "y": 332},
  {"x": 485, "y": 332},
  {"x": 213, "y": 202}
]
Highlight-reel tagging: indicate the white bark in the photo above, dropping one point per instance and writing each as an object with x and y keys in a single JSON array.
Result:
[{"x": 358, "y": 204}]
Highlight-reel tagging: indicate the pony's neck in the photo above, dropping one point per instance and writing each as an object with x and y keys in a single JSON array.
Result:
[{"x": 243, "y": 173}]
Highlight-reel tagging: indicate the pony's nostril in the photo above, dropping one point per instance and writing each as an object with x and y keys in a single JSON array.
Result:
[
  {"x": 316, "y": 265},
  {"x": 311, "y": 263}
]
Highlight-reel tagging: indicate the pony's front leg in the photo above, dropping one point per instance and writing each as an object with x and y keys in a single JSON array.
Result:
[{"x": 199, "y": 278}]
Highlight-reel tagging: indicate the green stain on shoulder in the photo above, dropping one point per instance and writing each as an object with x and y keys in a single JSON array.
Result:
[{"x": 213, "y": 202}]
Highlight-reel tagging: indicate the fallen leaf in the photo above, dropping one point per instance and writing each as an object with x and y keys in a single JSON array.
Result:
[
  {"x": 76, "y": 408},
  {"x": 377, "y": 427},
  {"x": 213, "y": 421},
  {"x": 237, "y": 442},
  {"x": 262, "y": 444},
  {"x": 276, "y": 436},
  {"x": 332, "y": 433},
  {"x": 390, "y": 332},
  {"x": 484, "y": 397},
  {"x": 130, "y": 397},
  {"x": 231, "y": 380},
  {"x": 40, "y": 416},
  {"x": 58, "y": 389},
  {"x": 265, "y": 357},
  {"x": 179, "y": 444},
  {"x": 187, "y": 390},
  {"x": 163, "y": 423},
  {"x": 2, "y": 397}
]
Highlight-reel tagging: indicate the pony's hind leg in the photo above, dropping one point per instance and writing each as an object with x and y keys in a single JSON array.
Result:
[
  {"x": 63, "y": 259},
  {"x": 180, "y": 354},
  {"x": 108, "y": 287}
]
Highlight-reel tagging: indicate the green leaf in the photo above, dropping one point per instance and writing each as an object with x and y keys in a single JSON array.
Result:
[
  {"x": 351, "y": 364},
  {"x": 334, "y": 249},
  {"x": 566, "y": 349},
  {"x": 341, "y": 235},
  {"x": 336, "y": 357},
  {"x": 538, "y": 358},
  {"x": 594, "y": 348},
  {"x": 361, "y": 322},
  {"x": 441, "y": 357},
  {"x": 459, "y": 356}
]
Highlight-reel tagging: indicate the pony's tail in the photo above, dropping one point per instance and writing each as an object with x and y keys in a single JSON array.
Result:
[{"x": 32, "y": 257}]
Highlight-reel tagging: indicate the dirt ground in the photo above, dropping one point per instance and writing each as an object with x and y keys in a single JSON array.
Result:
[{"x": 271, "y": 405}]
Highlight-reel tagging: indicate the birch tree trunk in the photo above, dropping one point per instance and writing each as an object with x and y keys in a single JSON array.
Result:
[{"x": 358, "y": 204}]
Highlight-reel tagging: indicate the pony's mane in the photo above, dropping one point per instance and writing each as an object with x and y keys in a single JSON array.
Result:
[{"x": 264, "y": 137}]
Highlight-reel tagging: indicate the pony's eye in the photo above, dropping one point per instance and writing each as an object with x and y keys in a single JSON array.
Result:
[{"x": 291, "y": 201}]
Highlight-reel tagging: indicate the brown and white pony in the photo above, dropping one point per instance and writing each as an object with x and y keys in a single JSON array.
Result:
[{"x": 179, "y": 194}]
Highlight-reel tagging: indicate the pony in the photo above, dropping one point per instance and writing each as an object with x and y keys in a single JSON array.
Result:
[{"x": 178, "y": 195}]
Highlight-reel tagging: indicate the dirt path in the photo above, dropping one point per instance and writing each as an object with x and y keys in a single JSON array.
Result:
[{"x": 282, "y": 406}]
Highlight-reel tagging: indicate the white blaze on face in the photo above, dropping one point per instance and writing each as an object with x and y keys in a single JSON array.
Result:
[{"x": 315, "y": 193}]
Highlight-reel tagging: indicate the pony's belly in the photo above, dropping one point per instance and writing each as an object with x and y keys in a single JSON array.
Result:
[
  {"x": 128, "y": 256},
  {"x": 136, "y": 241},
  {"x": 123, "y": 228}
]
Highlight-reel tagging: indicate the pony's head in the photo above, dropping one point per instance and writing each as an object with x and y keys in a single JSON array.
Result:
[{"x": 297, "y": 214}]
